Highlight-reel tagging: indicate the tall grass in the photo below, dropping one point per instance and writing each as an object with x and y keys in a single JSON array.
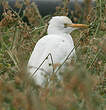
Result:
[{"x": 84, "y": 81}]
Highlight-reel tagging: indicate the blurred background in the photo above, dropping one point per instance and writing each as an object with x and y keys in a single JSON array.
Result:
[
  {"x": 22, "y": 24},
  {"x": 75, "y": 8}
]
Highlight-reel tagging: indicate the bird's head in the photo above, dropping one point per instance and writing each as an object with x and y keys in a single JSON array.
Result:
[{"x": 62, "y": 24}]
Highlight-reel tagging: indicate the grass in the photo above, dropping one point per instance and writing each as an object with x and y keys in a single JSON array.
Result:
[{"x": 84, "y": 83}]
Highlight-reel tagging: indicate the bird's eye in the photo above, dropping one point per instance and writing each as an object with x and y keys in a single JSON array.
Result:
[{"x": 65, "y": 25}]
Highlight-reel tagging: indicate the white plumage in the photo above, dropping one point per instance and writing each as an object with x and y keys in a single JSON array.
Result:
[{"x": 57, "y": 44}]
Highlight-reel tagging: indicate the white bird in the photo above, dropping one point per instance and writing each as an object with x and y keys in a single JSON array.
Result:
[{"x": 52, "y": 50}]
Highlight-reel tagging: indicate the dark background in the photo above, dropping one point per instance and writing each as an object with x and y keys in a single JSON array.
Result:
[{"x": 46, "y": 6}]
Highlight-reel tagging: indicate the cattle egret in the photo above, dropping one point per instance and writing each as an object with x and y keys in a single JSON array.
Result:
[{"x": 52, "y": 50}]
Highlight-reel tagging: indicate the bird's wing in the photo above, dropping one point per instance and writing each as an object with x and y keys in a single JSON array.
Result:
[
  {"x": 38, "y": 51},
  {"x": 56, "y": 46}
]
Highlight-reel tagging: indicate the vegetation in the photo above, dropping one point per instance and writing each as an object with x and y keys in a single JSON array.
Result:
[{"x": 84, "y": 83}]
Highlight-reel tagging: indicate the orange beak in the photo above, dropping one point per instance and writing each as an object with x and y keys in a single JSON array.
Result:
[{"x": 77, "y": 25}]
